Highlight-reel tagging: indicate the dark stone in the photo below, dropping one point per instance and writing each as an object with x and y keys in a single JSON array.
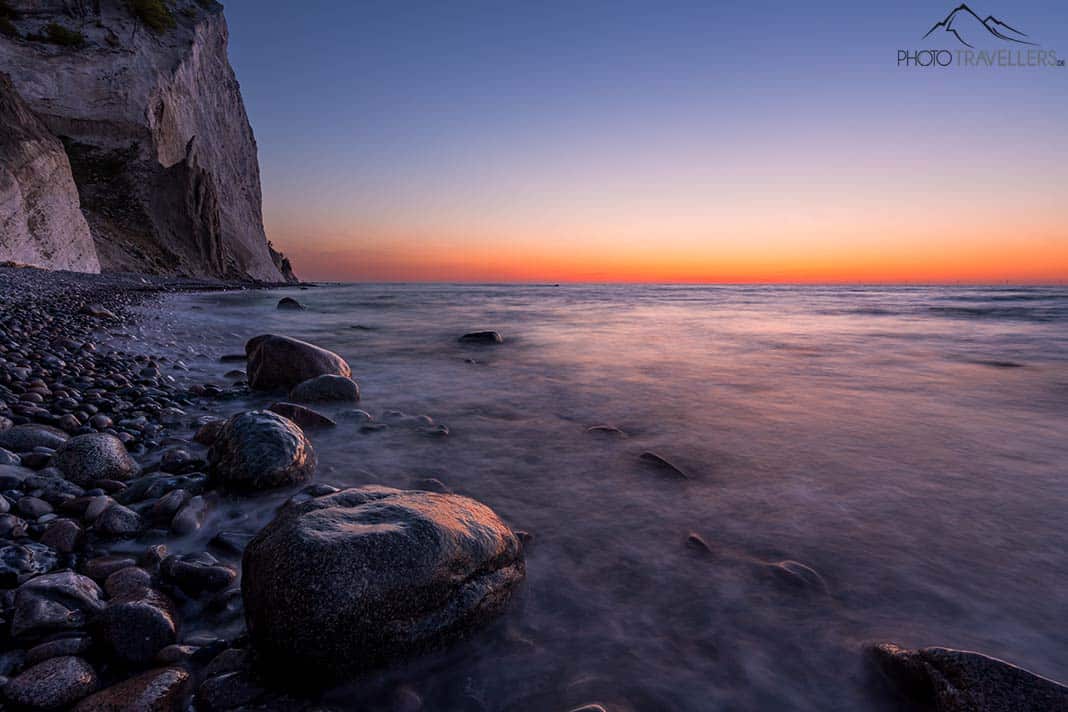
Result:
[
  {"x": 135, "y": 626},
  {"x": 356, "y": 578},
  {"x": 70, "y": 645},
  {"x": 260, "y": 449},
  {"x": 53, "y": 684},
  {"x": 19, "y": 562},
  {"x": 101, "y": 567},
  {"x": 118, "y": 521},
  {"x": 306, "y": 418},
  {"x": 482, "y": 337},
  {"x": 326, "y": 388},
  {"x": 289, "y": 303},
  {"x": 54, "y": 603},
  {"x": 189, "y": 518},
  {"x": 131, "y": 580},
  {"x": 208, "y": 432},
  {"x": 609, "y": 430},
  {"x": 282, "y": 362},
  {"x": 196, "y": 574},
  {"x": 24, "y": 438},
  {"x": 662, "y": 465},
  {"x": 63, "y": 535},
  {"x": 947, "y": 680},
  {"x": 161, "y": 690},
  {"x": 96, "y": 456}
]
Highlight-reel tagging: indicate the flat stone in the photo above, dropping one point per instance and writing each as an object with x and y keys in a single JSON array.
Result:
[{"x": 53, "y": 684}]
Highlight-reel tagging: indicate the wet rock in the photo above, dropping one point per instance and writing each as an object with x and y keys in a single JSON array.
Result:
[
  {"x": 356, "y": 416},
  {"x": 306, "y": 418},
  {"x": 661, "y": 465},
  {"x": 231, "y": 541},
  {"x": 259, "y": 450},
  {"x": 99, "y": 312},
  {"x": 282, "y": 362},
  {"x": 9, "y": 458},
  {"x": 54, "y": 603},
  {"x": 21, "y": 561},
  {"x": 96, "y": 456},
  {"x": 606, "y": 430},
  {"x": 482, "y": 337},
  {"x": 194, "y": 574},
  {"x": 290, "y": 304},
  {"x": 794, "y": 574},
  {"x": 208, "y": 432},
  {"x": 53, "y": 684},
  {"x": 326, "y": 388},
  {"x": 118, "y": 521},
  {"x": 12, "y": 526},
  {"x": 130, "y": 580},
  {"x": 63, "y": 535},
  {"x": 358, "y": 577},
  {"x": 697, "y": 544},
  {"x": 101, "y": 567},
  {"x": 70, "y": 645},
  {"x": 947, "y": 680},
  {"x": 24, "y": 438},
  {"x": 179, "y": 461},
  {"x": 168, "y": 505},
  {"x": 135, "y": 626},
  {"x": 161, "y": 690},
  {"x": 189, "y": 518},
  {"x": 32, "y": 507},
  {"x": 228, "y": 691}
]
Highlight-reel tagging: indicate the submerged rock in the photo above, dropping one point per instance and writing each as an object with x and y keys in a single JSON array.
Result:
[
  {"x": 260, "y": 449},
  {"x": 289, "y": 303},
  {"x": 85, "y": 459},
  {"x": 948, "y": 680},
  {"x": 306, "y": 418},
  {"x": 482, "y": 337},
  {"x": 326, "y": 388},
  {"x": 282, "y": 362},
  {"x": 661, "y": 464},
  {"x": 355, "y": 578}
]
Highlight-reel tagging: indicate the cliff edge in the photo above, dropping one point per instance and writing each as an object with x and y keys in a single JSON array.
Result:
[{"x": 144, "y": 99}]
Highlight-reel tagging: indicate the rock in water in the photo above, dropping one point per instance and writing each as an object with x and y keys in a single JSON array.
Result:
[
  {"x": 306, "y": 418},
  {"x": 290, "y": 304},
  {"x": 326, "y": 388},
  {"x": 482, "y": 337},
  {"x": 84, "y": 459},
  {"x": 162, "y": 690},
  {"x": 260, "y": 449},
  {"x": 155, "y": 130},
  {"x": 357, "y": 577},
  {"x": 53, "y": 684},
  {"x": 41, "y": 223},
  {"x": 947, "y": 680},
  {"x": 282, "y": 362}
]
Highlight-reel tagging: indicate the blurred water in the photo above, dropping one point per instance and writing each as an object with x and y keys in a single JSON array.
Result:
[{"x": 908, "y": 444}]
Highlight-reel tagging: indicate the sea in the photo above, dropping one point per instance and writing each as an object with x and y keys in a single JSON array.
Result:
[{"x": 850, "y": 465}]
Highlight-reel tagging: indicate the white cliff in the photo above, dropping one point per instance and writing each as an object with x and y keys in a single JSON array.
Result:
[
  {"x": 41, "y": 223},
  {"x": 152, "y": 118}
]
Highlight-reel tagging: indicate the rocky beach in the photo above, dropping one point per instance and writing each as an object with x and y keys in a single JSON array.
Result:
[{"x": 171, "y": 542}]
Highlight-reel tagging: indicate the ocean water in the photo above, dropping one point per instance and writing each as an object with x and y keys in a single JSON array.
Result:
[{"x": 908, "y": 445}]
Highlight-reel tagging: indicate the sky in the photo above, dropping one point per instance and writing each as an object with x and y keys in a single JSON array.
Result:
[{"x": 679, "y": 142}]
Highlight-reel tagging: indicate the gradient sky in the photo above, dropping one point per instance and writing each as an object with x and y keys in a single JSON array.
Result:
[{"x": 706, "y": 141}]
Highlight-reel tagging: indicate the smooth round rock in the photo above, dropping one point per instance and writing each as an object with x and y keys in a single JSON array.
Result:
[
  {"x": 290, "y": 304},
  {"x": 306, "y": 418},
  {"x": 259, "y": 450},
  {"x": 281, "y": 362},
  {"x": 361, "y": 576},
  {"x": 137, "y": 625},
  {"x": 53, "y": 684},
  {"x": 54, "y": 603},
  {"x": 24, "y": 438},
  {"x": 161, "y": 690},
  {"x": 96, "y": 456},
  {"x": 326, "y": 388}
]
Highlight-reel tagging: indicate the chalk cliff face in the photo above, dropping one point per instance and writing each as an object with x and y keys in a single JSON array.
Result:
[
  {"x": 40, "y": 220},
  {"x": 144, "y": 99}
]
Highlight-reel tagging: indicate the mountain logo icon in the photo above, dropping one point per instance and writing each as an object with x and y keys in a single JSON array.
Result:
[{"x": 964, "y": 24}]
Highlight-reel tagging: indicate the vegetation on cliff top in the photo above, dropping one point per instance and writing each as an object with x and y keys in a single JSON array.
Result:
[{"x": 154, "y": 13}]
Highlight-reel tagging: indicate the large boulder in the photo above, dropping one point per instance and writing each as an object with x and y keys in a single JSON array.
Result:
[
  {"x": 84, "y": 459},
  {"x": 326, "y": 388},
  {"x": 355, "y": 578},
  {"x": 947, "y": 680},
  {"x": 259, "y": 449},
  {"x": 281, "y": 362}
]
